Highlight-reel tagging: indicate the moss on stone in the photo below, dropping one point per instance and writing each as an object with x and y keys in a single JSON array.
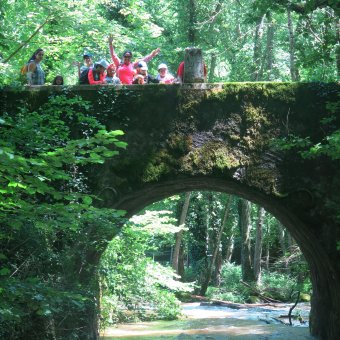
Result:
[
  {"x": 255, "y": 115},
  {"x": 213, "y": 155},
  {"x": 158, "y": 165},
  {"x": 179, "y": 144},
  {"x": 283, "y": 92},
  {"x": 153, "y": 172}
]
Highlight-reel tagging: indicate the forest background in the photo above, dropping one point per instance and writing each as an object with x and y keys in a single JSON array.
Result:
[
  {"x": 47, "y": 210},
  {"x": 241, "y": 40}
]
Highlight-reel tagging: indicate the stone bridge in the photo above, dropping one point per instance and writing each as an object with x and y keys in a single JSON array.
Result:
[{"x": 224, "y": 137}]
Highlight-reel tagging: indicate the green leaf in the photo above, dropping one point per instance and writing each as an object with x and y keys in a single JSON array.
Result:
[
  {"x": 87, "y": 200},
  {"x": 4, "y": 271}
]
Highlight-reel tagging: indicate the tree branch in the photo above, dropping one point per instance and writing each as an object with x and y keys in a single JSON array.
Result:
[{"x": 28, "y": 40}]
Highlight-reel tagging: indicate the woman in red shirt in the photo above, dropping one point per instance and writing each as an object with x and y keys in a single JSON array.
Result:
[{"x": 97, "y": 74}]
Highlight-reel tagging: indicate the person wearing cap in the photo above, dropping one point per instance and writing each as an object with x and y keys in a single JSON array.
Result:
[
  {"x": 97, "y": 74},
  {"x": 126, "y": 68},
  {"x": 142, "y": 76},
  {"x": 88, "y": 63},
  {"x": 163, "y": 76}
]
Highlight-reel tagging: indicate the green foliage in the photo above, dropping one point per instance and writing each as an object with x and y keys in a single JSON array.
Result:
[
  {"x": 25, "y": 301},
  {"x": 134, "y": 287},
  {"x": 231, "y": 289},
  {"x": 279, "y": 286},
  {"x": 328, "y": 146},
  {"x": 48, "y": 215},
  {"x": 66, "y": 29},
  {"x": 273, "y": 284}
]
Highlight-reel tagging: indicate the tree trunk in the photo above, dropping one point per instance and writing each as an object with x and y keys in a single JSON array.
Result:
[
  {"x": 294, "y": 74},
  {"x": 267, "y": 257},
  {"x": 218, "y": 269},
  {"x": 206, "y": 281},
  {"x": 212, "y": 68},
  {"x": 181, "y": 262},
  {"x": 270, "y": 48},
  {"x": 337, "y": 47},
  {"x": 257, "y": 57},
  {"x": 258, "y": 245},
  {"x": 229, "y": 248},
  {"x": 245, "y": 226},
  {"x": 192, "y": 22},
  {"x": 179, "y": 235},
  {"x": 281, "y": 236},
  {"x": 290, "y": 241},
  {"x": 85, "y": 323}
]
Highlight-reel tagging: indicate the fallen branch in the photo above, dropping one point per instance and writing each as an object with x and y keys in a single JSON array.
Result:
[
  {"x": 291, "y": 308},
  {"x": 263, "y": 297},
  {"x": 206, "y": 301}
]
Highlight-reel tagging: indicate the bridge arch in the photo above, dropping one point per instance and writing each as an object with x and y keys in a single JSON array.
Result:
[
  {"x": 219, "y": 137},
  {"x": 325, "y": 287}
]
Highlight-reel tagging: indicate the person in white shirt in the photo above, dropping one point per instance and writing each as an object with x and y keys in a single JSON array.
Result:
[{"x": 163, "y": 76}]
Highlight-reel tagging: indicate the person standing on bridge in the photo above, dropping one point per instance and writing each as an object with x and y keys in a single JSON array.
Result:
[
  {"x": 142, "y": 77},
  {"x": 88, "y": 63},
  {"x": 163, "y": 76},
  {"x": 96, "y": 75},
  {"x": 126, "y": 68},
  {"x": 111, "y": 77},
  {"x": 35, "y": 74}
]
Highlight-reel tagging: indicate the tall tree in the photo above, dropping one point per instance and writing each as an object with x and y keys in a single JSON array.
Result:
[
  {"x": 229, "y": 247},
  {"x": 258, "y": 244},
  {"x": 292, "y": 63},
  {"x": 281, "y": 236},
  {"x": 207, "y": 278},
  {"x": 192, "y": 22},
  {"x": 257, "y": 57},
  {"x": 245, "y": 227},
  {"x": 269, "y": 54},
  {"x": 179, "y": 235},
  {"x": 337, "y": 51}
]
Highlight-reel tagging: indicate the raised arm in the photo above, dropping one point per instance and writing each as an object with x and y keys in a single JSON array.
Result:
[
  {"x": 77, "y": 64},
  {"x": 148, "y": 57},
  {"x": 114, "y": 56}
]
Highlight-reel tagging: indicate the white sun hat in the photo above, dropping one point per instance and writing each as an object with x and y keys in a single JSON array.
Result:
[{"x": 162, "y": 66}]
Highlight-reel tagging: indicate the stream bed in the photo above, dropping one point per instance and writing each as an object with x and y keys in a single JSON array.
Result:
[{"x": 217, "y": 323}]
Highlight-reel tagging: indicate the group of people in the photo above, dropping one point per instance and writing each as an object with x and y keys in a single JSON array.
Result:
[{"x": 123, "y": 71}]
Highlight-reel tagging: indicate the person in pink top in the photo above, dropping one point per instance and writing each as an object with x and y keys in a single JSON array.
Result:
[{"x": 126, "y": 69}]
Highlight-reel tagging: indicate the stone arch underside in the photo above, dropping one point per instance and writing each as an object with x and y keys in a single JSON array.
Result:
[{"x": 325, "y": 286}]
